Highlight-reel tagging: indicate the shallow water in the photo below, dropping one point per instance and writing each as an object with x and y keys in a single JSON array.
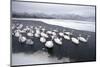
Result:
[
  {"x": 38, "y": 57},
  {"x": 69, "y": 52}
]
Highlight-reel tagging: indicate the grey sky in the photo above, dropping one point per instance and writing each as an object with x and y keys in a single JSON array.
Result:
[{"x": 32, "y": 7}]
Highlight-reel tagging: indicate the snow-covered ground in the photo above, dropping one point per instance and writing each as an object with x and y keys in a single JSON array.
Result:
[
  {"x": 74, "y": 24},
  {"x": 38, "y": 57}
]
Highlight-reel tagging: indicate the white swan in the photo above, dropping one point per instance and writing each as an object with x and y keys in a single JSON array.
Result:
[
  {"x": 20, "y": 26},
  {"x": 58, "y": 40},
  {"x": 83, "y": 39},
  {"x": 61, "y": 33},
  {"x": 27, "y": 28},
  {"x": 29, "y": 41},
  {"x": 37, "y": 35},
  {"x": 29, "y": 34},
  {"x": 22, "y": 38},
  {"x": 17, "y": 33},
  {"x": 13, "y": 26},
  {"x": 43, "y": 34},
  {"x": 42, "y": 39},
  {"x": 75, "y": 40},
  {"x": 49, "y": 44},
  {"x": 54, "y": 33},
  {"x": 55, "y": 30},
  {"x": 49, "y": 32},
  {"x": 43, "y": 29},
  {"x": 38, "y": 31},
  {"x": 66, "y": 37}
]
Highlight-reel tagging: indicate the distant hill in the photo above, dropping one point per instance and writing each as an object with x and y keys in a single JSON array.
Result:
[{"x": 52, "y": 16}]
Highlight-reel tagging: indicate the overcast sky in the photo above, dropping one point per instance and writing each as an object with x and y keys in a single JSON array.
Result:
[{"x": 59, "y": 9}]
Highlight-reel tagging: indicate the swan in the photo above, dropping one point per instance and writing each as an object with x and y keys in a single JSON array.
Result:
[
  {"x": 29, "y": 34},
  {"x": 69, "y": 33},
  {"x": 38, "y": 31},
  {"x": 54, "y": 33},
  {"x": 55, "y": 30},
  {"x": 43, "y": 29},
  {"x": 49, "y": 44},
  {"x": 49, "y": 32},
  {"x": 17, "y": 34},
  {"x": 75, "y": 40},
  {"x": 42, "y": 39},
  {"x": 66, "y": 37},
  {"x": 13, "y": 26},
  {"x": 44, "y": 34},
  {"x": 23, "y": 31},
  {"x": 36, "y": 35},
  {"x": 27, "y": 28},
  {"x": 20, "y": 26},
  {"x": 83, "y": 39},
  {"x": 58, "y": 40},
  {"x": 61, "y": 33},
  {"x": 22, "y": 39},
  {"x": 29, "y": 41}
]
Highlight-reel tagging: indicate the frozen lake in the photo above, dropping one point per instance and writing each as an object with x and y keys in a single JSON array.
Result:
[{"x": 74, "y": 24}]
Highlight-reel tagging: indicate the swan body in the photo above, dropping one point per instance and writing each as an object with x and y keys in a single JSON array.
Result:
[
  {"x": 29, "y": 34},
  {"x": 49, "y": 44},
  {"x": 20, "y": 26},
  {"x": 68, "y": 33},
  {"x": 58, "y": 41},
  {"x": 49, "y": 32},
  {"x": 44, "y": 35},
  {"x": 55, "y": 30},
  {"x": 75, "y": 40},
  {"x": 38, "y": 31},
  {"x": 67, "y": 37},
  {"x": 42, "y": 39},
  {"x": 22, "y": 39},
  {"x": 29, "y": 41},
  {"x": 61, "y": 34},
  {"x": 17, "y": 34},
  {"x": 37, "y": 35},
  {"x": 83, "y": 39},
  {"x": 53, "y": 33}
]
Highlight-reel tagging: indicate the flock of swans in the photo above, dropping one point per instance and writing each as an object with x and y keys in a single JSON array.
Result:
[{"x": 47, "y": 37}]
